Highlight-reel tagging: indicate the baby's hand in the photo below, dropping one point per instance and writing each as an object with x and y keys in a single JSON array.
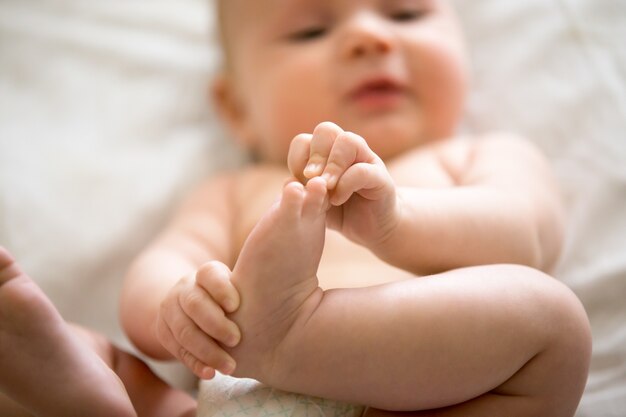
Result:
[
  {"x": 192, "y": 320},
  {"x": 362, "y": 193}
]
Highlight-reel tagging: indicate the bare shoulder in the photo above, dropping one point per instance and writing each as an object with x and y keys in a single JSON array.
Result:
[
  {"x": 470, "y": 160},
  {"x": 227, "y": 189},
  {"x": 495, "y": 156},
  {"x": 214, "y": 192},
  {"x": 258, "y": 180},
  {"x": 506, "y": 144},
  {"x": 209, "y": 222}
]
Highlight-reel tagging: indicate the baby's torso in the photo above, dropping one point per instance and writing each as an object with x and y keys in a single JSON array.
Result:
[{"x": 344, "y": 264}]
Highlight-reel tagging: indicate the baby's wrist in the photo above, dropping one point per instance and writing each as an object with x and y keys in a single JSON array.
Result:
[{"x": 389, "y": 239}]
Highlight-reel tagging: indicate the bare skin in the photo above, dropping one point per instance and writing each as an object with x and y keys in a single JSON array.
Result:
[
  {"x": 295, "y": 225},
  {"x": 50, "y": 368},
  {"x": 297, "y": 337}
]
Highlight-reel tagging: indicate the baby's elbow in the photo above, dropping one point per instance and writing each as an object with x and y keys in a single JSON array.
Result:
[{"x": 549, "y": 238}]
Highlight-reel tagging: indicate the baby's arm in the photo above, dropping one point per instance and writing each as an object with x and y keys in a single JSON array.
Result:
[
  {"x": 502, "y": 207},
  {"x": 362, "y": 194},
  {"x": 173, "y": 301},
  {"x": 505, "y": 331}
]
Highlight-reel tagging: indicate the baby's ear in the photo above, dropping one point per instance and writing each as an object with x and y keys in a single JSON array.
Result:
[{"x": 230, "y": 108}]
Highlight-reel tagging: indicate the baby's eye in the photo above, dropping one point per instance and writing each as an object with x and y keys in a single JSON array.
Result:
[
  {"x": 308, "y": 34},
  {"x": 406, "y": 15}
]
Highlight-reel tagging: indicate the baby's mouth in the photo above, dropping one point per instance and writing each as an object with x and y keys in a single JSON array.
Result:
[{"x": 377, "y": 94}]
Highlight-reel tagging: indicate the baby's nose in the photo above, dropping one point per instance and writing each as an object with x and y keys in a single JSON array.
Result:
[{"x": 366, "y": 35}]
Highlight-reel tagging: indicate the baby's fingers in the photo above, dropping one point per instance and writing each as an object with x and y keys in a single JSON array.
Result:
[
  {"x": 324, "y": 137},
  {"x": 348, "y": 149},
  {"x": 169, "y": 342},
  {"x": 193, "y": 348},
  {"x": 209, "y": 317},
  {"x": 298, "y": 156},
  {"x": 214, "y": 278},
  {"x": 371, "y": 181}
]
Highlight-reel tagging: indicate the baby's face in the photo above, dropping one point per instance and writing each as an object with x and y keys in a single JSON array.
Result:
[{"x": 391, "y": 71}]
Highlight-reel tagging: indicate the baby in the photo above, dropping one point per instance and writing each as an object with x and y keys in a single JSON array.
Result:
[
  {"x": 399, "y": 267},
  {"x": 342, "y": 313}
]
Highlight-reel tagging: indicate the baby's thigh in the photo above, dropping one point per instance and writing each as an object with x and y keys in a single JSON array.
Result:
[
  {"x": 555, "y": 332},
  {"x": 486, "y": 405}
]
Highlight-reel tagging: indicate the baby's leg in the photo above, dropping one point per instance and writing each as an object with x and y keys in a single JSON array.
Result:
[
  {"x": 493, "y": 340},
  {"x": 278, "y": 263},
  {"x": 43, "y": 364},
  {"x": 504, "y": 340},
  {"x": 51, "y": 368},
  {"x": 149, "y": 394}
]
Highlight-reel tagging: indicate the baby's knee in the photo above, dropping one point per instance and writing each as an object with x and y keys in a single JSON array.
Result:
[
  {"x": 571, "y": 341},
  {"x": 566, "y": 352},
  {"x": 560, "y": 313},
  {"x": 567, "y": 319}
]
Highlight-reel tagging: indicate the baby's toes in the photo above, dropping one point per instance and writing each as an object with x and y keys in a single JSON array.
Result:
[
  {"x": 8, "y": 267},
  {"x": 292, "y": 200},
  {"x": 5, "y": 258},
  {"x": 316, "y": 198}
]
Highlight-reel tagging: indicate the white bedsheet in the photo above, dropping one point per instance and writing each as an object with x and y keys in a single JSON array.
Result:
[
  {"x": 103, "y": 126},
  {"x": 555, "y": 71}
]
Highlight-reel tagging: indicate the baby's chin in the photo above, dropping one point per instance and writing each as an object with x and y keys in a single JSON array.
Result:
[{"x": 392, "y": 138}]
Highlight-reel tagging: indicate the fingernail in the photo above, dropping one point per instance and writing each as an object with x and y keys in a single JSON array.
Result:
[
  {"x": 330, "y": 180},
  {"x": 311, "y": 169}
]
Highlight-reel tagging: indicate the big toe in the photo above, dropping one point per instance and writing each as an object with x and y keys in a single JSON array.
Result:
[
  {"x": 292, "y": 200},
  {"x": 8, "y": 267},
  {"x": 316, "y": 199}
]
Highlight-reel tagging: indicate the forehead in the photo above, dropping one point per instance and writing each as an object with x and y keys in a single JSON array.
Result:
[
  {"x": 235, "y": 10},
  {"x": 239, "y": 15},
  {"x": 235, "y": 16},
  {"x": 239, "y": 8},
  {"x": 245, "y": 21},
  {"x": 243, "y": 17}
]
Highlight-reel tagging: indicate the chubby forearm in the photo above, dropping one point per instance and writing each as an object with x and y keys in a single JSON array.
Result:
[
  {"x": 503, "y": 207},
  {"x": 447, "y": 228},
  {"x": 199, "y": 233},
  {"x": 149, "y": 279}
]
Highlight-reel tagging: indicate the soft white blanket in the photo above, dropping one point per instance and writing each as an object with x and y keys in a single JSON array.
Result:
[{"x": 104, "y": 125}]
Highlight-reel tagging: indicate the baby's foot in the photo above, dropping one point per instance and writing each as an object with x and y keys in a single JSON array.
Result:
[
  {"x": 44, "y": 365},
  {"x": 276, "y": 274}
]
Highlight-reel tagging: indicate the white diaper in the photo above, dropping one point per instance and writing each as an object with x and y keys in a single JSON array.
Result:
[{"x": 231, "y": 397}]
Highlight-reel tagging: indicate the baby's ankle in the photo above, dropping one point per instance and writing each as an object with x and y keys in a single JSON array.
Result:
[
  {"x": 267, "y": 354},
  {"x": 284, "y": 356}
]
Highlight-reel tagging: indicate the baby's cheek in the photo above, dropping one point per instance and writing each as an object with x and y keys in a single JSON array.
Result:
[{"x": 442, "y": 93}]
